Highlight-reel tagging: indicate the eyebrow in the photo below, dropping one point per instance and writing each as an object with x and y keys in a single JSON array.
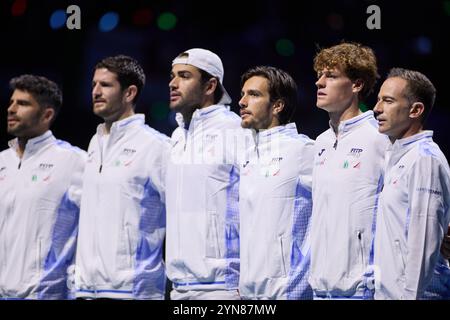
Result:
[
  {"x": 102, "y": 82},
  {"x": 386, "y": 97},
  {"x": 20, "y": 101},
  {"x": 251, "y": 91}
]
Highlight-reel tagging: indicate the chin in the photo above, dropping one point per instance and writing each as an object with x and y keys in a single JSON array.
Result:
[
  {"x": 245, "y": 124},
  {"x": 175, "y": 107}
]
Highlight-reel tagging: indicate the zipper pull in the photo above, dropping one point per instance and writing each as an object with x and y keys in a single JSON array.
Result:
[
  {"x": 20, "y": 164},
  {"x": 100, "y": 169},
  {"x": 335, "y": 144}
]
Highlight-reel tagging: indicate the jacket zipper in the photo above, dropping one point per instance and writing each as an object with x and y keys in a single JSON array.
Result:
[
  {"x": 127, "y": 230},
  {"x": 38, "y": 262},
  {"x": 283, "y": 262},
  {"x": 361, "y": 249}
]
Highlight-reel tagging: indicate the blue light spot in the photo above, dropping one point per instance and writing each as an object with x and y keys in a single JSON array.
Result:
[
  {"x": 108, "y": 22},
  {"x": 58, "y": 19},
  {"x": 423, "y": 45}
]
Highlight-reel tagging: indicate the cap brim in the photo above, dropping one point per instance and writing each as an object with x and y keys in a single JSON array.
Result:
[{"x": 226, "y": 99}]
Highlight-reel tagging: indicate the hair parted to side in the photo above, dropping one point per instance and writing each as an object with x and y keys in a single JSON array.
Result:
[
  {"x": 281, "y": 87},
  {"x": 355, "y": 60},
  {"x": 46, "y": 92},
  {"x": 419, "y": 88},
  {"x": 129, "y": 72}
]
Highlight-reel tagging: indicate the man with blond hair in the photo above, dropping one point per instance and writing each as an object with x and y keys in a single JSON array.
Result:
[{"x": 347, "y": 175}]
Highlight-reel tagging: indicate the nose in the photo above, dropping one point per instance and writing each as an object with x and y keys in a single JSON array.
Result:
[
  {"x": 173, "y": 83},
  {"x": 12, "y": 108},
  {"x": 378, "y": 109},
  {"x": 243, "y": 102},
  {"x": 96, "y": 91},
  {"x": 320, "y": 83}
]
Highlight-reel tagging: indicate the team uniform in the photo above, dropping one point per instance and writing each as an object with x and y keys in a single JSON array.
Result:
[
  {"x": 413, "y": 218},
  {"x": 202, "y": 245},
  {"x": 275, "y": 208},
  {"x": 122, "y": 217},
  {"x": 347, "y": 179},
  {"x": 39, "y": 207}
]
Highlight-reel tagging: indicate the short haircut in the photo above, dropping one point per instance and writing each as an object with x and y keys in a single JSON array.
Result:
[
  {"x": 205, "y": 76},
  {"x": 281, "y": 87},
  {"x": 129, "y": 72},
  {"x": 355, "y": 60},
  {"x": 418, "y": 89},
  {"x": 46, "y": 92}
]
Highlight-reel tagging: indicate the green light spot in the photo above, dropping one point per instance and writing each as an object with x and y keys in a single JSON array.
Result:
[
  {"x": 117, "y": 163},
  {"x": 363, "y": 107},
  {"x": 160, "y": 110},
  {"x": 285, "y": 47},
  {"x": 447, "y": 7},
  {"x": 34, "y": 177},
  {"x": 167, "y": 21}
]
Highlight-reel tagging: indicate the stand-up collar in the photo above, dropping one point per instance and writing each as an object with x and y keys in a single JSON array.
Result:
[
  {"x": 350, "y": 124},
  {"x": 409, "y": 142},
  {"x": 201, "y": 113},
  {"x": 35, "y": 144},
  {"x": 289, "y": 128},
  {"x": 121, "y": 126}
]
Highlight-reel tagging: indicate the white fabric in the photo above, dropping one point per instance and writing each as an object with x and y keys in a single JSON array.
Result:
[
  {"x": 414, "y": 215},
  {"x": 122, "y": 217},
  {"x": 275, "y": 198},
  {"x": 347, "y": 178},
  {"x": 232, "y": 294},
  {"x": 39, "y": 205},
  {"x": 202, "y": 245}
]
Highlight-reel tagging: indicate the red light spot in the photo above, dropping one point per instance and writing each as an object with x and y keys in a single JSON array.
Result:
[
  {"x": 18, "y": 8},
  {"x": 142, "y": 17}
]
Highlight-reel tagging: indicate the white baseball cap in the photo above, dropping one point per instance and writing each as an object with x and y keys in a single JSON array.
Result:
[{"x": 207, "y": 61}]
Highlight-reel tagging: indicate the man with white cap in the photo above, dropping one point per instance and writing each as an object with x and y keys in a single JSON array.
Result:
[{"x": 202, "y": 183}]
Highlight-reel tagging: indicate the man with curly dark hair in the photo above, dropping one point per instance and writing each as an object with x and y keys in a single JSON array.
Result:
[{"x": 347, "y": 175}]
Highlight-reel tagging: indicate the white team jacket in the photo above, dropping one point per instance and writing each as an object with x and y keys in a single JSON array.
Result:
[
  {"x": 122, "y": 216},
  {"x": 39, "y": 206},
  {"x": 275, "y": 208},
  {"x": 202, "y": 245},
  {"x": 413, "y": 217},
  {"x": 347, "y": 179}
]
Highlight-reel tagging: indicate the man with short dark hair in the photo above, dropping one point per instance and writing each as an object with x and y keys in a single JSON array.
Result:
[
  {"x": 414, "y": 204},
  {"x": 202, "y": 182},
  {"x": 275, "y": 193},
  {"x": 40, "y": 191},
  {"x": 122, "y": 218}
]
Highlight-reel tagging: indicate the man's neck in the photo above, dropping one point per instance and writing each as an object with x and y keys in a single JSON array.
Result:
[
  {"x": 22, "y": 143},
  {"x": 187, "y": 116},
  {"x": 413, "y": 129},
  {"x": 337, "y": 117},
  {"x": 109, "y": 123}
]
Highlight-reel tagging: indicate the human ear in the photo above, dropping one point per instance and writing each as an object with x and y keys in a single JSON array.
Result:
[{"x": 416, "y": 110}]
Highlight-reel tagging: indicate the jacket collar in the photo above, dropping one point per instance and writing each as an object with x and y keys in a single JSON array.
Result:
[
  {"x": 35, "y": 144},
  {"x": 289, "y": 128},
  {"x": 409, "y": 142},
  {"x": 202, "y": 113},
  {"x": 353, "y": 123},
  {"x": 118, "y": 128}
]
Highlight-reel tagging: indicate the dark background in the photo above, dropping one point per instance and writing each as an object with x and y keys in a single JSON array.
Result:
[{"x": 244, "y": 34}]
